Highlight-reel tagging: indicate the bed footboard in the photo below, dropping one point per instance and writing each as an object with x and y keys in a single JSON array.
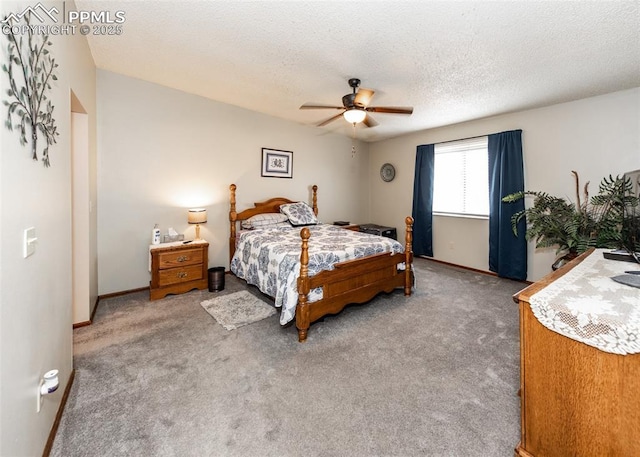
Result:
[{"x": 353, "y": 281}]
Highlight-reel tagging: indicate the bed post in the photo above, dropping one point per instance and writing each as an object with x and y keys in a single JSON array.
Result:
[
  {"x": 315, "y": 199},
  {"x": 302, "y": 309},
  {"x": 408, "y": 255},
  {"x": 232, "y": 220}
]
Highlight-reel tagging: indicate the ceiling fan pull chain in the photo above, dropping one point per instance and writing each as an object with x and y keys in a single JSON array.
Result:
[{"x": 353, "y": 144}]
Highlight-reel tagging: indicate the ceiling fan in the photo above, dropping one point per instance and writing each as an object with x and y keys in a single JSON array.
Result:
[{"x": 355, "y": 107}]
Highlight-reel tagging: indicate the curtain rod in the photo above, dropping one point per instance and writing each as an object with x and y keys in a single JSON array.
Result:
[
  {"x": 462, "y": 139},
  {"x": 474, "y": 137}
]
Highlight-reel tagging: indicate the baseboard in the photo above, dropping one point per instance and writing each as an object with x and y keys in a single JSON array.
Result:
[
  {"x": 124, "y": 292},
  {"x": 81, "y": 324},
  {"x": 490, "y": 273},
  {"x": 90, "y": 321},
  {"x": 54, "y": 428},
  {"x": 475, "y": 270},
  {"x": 95, "y": 308}
]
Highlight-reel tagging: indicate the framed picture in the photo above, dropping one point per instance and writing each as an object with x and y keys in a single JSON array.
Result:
[{"x": 276, "y": 163}]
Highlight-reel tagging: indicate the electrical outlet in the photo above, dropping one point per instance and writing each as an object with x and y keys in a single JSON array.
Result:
[{"x": 451, "y": 245}]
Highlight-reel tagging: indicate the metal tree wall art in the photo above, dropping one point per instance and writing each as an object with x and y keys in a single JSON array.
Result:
[{"x": 30, "y": 71}]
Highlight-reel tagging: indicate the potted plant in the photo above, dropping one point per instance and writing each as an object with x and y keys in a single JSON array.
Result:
[{"x": 575, "y": 227}]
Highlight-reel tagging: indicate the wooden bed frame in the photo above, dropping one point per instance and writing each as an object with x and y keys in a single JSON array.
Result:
[{"x": 352, "y": 281}]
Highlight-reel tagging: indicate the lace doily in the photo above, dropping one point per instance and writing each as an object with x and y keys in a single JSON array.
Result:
[{"x": 586, "y": 305}]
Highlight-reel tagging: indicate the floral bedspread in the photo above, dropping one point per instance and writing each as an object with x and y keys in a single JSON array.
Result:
[{"x": 270, "y": 258}]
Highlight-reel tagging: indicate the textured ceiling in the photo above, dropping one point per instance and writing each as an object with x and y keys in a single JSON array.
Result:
[{"x": 451, "y": 61}]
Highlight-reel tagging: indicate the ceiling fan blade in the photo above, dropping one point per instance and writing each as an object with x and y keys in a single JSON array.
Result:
[
  {"x": 312, "y": 106},
  {"x": 332, "y": 118},
  {"x": 363, "y": 97},
  {"x": 391, "y": 109},
  {"x": 369, "y": 121}
]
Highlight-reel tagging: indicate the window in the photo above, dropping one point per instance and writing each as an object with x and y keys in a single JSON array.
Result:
[{"x": 461, "y": 178}]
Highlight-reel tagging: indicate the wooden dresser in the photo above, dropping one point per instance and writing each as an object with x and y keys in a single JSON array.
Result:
[
  {"x": 179, "y": 268},
  {"x": 576, "y": 400}
]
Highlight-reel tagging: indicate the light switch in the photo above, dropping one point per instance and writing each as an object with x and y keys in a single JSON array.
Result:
[{"x": 30, "y": 240}]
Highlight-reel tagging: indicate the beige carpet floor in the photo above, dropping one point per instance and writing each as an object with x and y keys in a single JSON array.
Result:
[{"x": 434, "y": 374}]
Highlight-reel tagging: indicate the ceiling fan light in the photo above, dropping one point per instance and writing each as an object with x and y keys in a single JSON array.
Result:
[{"x": 354, "y": 116}]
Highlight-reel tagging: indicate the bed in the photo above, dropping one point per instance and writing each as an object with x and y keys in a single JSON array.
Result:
[{"x": 318, "y": 269}]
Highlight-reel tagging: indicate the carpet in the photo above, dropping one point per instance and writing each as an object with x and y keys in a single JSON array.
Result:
[
  {"x": 237, "y": 309},
  {"x": 431, "y": 375}
]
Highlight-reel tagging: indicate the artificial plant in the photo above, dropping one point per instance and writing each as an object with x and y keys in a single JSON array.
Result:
[{"x": 575, "y": 227}]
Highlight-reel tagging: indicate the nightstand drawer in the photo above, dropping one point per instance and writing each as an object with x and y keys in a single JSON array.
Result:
[
  {"x": 179, "y": 258},
  {"x": 178, "y": 275}
]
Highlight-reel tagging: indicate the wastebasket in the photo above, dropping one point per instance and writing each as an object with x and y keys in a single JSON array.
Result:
[{"x": 216, "y": 279}]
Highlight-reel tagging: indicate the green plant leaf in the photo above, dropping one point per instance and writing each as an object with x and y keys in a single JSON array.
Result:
[{"x": 598, "y": 222}]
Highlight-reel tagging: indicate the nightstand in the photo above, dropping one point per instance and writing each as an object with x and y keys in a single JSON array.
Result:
[
  {"x": 177, "y": 268},
  {"x": 380, "y": 230},
  {"x": 346, "y": 225},
  {"x": 354, "y": 227}
]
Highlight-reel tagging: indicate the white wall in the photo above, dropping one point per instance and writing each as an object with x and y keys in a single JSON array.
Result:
[
  {"x": 35, "y": 297},
  {"x": 596, "y": 137},
  {"x": 161, "y": 151}
]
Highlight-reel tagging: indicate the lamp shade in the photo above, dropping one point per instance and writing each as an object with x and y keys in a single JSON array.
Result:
[
  {"x": 197, "y": 216},
  {"x": 354, "y": 115}
]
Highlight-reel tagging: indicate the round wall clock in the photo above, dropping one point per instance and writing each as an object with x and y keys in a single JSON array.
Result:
[{"x": 387, "y": 172}]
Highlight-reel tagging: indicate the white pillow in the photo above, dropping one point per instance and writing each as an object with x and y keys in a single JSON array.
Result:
[
  {"x": 299, "y": 213},
  {"x": 264, "y": 220}
]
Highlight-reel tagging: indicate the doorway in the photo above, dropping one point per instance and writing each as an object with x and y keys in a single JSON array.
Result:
[{"x": 81, "y": 212}]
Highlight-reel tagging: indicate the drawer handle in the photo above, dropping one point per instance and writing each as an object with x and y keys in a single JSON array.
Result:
[
  {"x": 182, "y": 274},
  {"x": 182, "y": 258}
]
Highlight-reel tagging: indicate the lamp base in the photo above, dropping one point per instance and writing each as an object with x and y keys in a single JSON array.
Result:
[{"x": 197, "y": 231}]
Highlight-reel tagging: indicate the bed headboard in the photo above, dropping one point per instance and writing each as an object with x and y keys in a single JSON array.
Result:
[{"x": 268, "y": 206}]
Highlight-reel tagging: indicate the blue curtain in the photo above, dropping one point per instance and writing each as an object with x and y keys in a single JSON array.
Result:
[
  {"x": 507, "y": 253},
  {"x": 423, "y": 201}
]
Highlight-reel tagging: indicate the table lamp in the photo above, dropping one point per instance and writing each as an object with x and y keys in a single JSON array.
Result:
[{"x": 197, "y": 216}]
